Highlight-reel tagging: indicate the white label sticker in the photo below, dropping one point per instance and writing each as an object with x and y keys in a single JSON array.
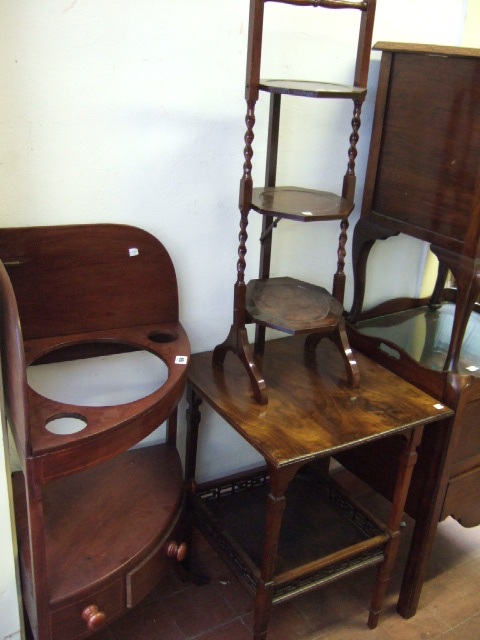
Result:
[
  {"x": 181, "y": 360},
  {"x": 438, "y": 406},
  {"x": 133, "y": 252}
]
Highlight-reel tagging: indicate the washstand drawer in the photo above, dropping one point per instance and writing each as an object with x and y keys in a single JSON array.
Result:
[
  {"x": 73, "y": 620},
  {"x": 143, "y": 578}
]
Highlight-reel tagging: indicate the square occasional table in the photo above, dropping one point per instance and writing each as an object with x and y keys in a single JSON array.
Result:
[{"x": 288, "y": 528}]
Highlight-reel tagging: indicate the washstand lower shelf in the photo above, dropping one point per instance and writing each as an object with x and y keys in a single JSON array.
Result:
[
  {"x": 109, "y": 536},
  {"x": 324, "y": 534}
]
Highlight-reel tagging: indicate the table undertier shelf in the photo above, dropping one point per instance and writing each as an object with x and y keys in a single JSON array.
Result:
[{"x": 324, "y": 535}]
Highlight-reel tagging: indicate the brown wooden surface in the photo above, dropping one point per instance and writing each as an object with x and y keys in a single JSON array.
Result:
[
  {"x": 429, "y": 156},
  {"x": 109, "y": 430},
  {"x": 312, "y": 413},
  {"x": 428, "y": 49},
  {"x": 292, "y": 306},
  {"x": 423, "y": 180},
  {"x": 312, "y": 89},
  {"x": 74, "y": 278},
  {"x": 78, "y": 286},
  {"x": 312, "y": 410},
  {"x": 330, "y": 4},
  {"x": 423, "y": 170},
  {"x": 423, "y": 334},
  {"x": 325, "y": 208},
  {"x": 85, "y": 513},
  {"x": 303, "y": 205},
  {"x": 101, "y": 522}
]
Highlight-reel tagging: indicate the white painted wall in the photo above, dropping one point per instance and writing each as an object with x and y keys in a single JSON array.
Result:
[
  {"x": 471, "y": 34},
  {"x": 116, "y": 111}
]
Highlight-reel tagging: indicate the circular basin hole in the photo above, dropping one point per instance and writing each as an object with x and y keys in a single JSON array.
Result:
[
  {"x": 162, "y": 337},
  {"x": 103, "y": 380},
  {"x": 66, "y": 424}
]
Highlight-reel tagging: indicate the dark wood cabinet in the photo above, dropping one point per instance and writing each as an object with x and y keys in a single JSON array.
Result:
[
  {"x": 423, "y": 172},
  {"x": 423, "y": 180}
]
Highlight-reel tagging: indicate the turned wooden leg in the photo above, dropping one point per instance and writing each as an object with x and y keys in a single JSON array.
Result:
[
  {"x": 338, "y": 289},
  {"x": 237, "y": 339}
]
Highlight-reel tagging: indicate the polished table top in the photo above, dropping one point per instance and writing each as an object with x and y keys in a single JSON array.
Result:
[{"x": 312, "y": 411}]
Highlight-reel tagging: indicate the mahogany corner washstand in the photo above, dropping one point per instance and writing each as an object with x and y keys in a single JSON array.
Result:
[
  {"x": 288, "y": 529},
  {"x": 423, "y": 180},
  {"x": 96, "y": 521}
]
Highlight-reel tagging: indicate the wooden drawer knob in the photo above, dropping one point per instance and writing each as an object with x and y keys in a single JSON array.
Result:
[
  {"x": 174, "y": 550},
  {"x": 93, "y": 617}
]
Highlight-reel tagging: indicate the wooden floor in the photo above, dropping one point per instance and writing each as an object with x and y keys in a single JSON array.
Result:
[{"x": 221, "y": 610}]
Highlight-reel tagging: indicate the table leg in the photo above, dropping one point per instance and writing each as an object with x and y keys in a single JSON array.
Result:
[
  {"x": 407, "y": 461},
  {"x": 274, "y": 513},
  {"x": 193, "y": 422},
  {"x": 440, "y": 445}
]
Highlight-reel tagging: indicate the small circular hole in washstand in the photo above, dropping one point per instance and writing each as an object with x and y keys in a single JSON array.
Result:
[
  {"x": 66, "y": 424},
  {"x": 161, "y": 337}
]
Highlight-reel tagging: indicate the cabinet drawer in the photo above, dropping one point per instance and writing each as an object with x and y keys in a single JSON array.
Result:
[
  {"x": 68, "y": 623},
  {"x": 467, "y": 439},
  {"x": 461, "y": 500}
]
